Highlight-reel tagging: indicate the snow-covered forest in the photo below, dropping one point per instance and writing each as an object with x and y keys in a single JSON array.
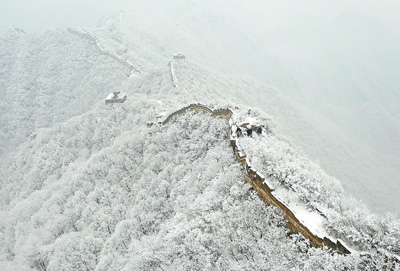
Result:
[
  {"x": 86, "y": 185},
  {"x": 157, "y": 199}
]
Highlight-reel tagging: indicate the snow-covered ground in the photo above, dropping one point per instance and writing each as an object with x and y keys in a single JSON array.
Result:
[
  {"x": 96, "y": 189},
  {"x": 312, "y": 220},
  {"x": 349, "y": 106}
]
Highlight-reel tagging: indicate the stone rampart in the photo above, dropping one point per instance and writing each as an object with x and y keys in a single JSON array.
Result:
[
  {"x": 265, "y": 192},
  {"x": 101, "y": 50},
  {"x": 258, "y": 182},
  {"x": 172, "y": 72},
  {"x": 221, "y": 113}
]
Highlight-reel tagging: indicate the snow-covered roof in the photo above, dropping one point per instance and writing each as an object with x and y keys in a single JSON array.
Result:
[
  {"x": 161, "y": 115},
  {"x": 116, "y": 97},
  {"x": 179, "y": 56}
]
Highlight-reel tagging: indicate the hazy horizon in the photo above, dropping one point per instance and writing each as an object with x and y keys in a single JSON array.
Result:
[{"x": 41, "y": 15}]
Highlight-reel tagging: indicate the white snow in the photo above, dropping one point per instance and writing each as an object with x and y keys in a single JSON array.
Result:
[
  {"x": 311, "y": 219},
  {"x": 116, "y": 97},
  {"x": 248, "y": 162},
  {"x": 121, "y": 16},
  {"x": 81, "y": 156},
  {"x": 348, "y": 142}
]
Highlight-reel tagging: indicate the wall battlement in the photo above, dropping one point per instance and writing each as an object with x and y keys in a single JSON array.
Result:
[
  {"x": 265, "y": 192},
  {"x": 101, "y": 50},
  {"x": 258, "y": 181},
  {"x": 221, "y": 113}
]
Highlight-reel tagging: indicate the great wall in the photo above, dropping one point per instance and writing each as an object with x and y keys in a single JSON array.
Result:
[
  {"x": 172, "y": 72},
  {"x": 257, "y": 180},
  {"x": 85, "y": 35}
]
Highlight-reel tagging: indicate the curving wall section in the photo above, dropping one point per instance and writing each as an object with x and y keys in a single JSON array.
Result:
[
  {"x": 101, "y": 50},
  {"x": 173, "y": 76},
  {"x": 258, "y": 181},
  {"x": 265, "y": 192},
  {"x": 221, "y": 113}
]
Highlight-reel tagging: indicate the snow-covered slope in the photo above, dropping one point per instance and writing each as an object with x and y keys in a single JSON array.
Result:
[
  {"x": 48, "y": 79},
  {"x": 96, "y": 189},
  {"x": 160, "y": 198},
  {"x": 355, "y": 142}
]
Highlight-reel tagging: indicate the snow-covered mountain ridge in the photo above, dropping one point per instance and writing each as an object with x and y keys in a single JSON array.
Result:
[
  {"x": 47, "y": 80},
  {"x": 348, "y": 143},
  {"x": 95, "y": 189},
  {"x": 72, "y": 222},
  {"x": 258, "y": 181},
  {"x": 315, "y": 201}
]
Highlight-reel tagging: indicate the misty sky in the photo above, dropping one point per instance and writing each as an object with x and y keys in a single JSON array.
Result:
[{"x": 39, "y": 15}]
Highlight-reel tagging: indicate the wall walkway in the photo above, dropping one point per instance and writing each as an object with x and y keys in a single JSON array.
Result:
[
  {"x": 258, "y": 181},
  {"x": 101, "y": 50}
]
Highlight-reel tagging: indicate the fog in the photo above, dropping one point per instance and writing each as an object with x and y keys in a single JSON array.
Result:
[{"x": 37, "y": 16}]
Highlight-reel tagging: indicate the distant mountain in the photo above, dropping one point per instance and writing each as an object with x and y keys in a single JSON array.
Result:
[
  {"x": 48, "y": 79},
  {"x": 333, "y": 81},
  {"x": 91, "y": 186}
]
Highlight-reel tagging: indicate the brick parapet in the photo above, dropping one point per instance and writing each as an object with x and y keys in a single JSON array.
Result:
[
  {"x": 221, "y": 113},
  {"x": 258, "y": 182}
]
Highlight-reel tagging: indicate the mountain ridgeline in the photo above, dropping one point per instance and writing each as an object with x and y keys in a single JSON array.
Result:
[{"x": 140, "y": 186}]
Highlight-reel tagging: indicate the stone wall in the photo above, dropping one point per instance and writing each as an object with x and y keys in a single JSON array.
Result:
[
  {"x": 101, "y": 50},
  {"x": 258, "y": 181},
  {"x": 221, "y": 113},
  {"x": 265, "y": 192}
]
